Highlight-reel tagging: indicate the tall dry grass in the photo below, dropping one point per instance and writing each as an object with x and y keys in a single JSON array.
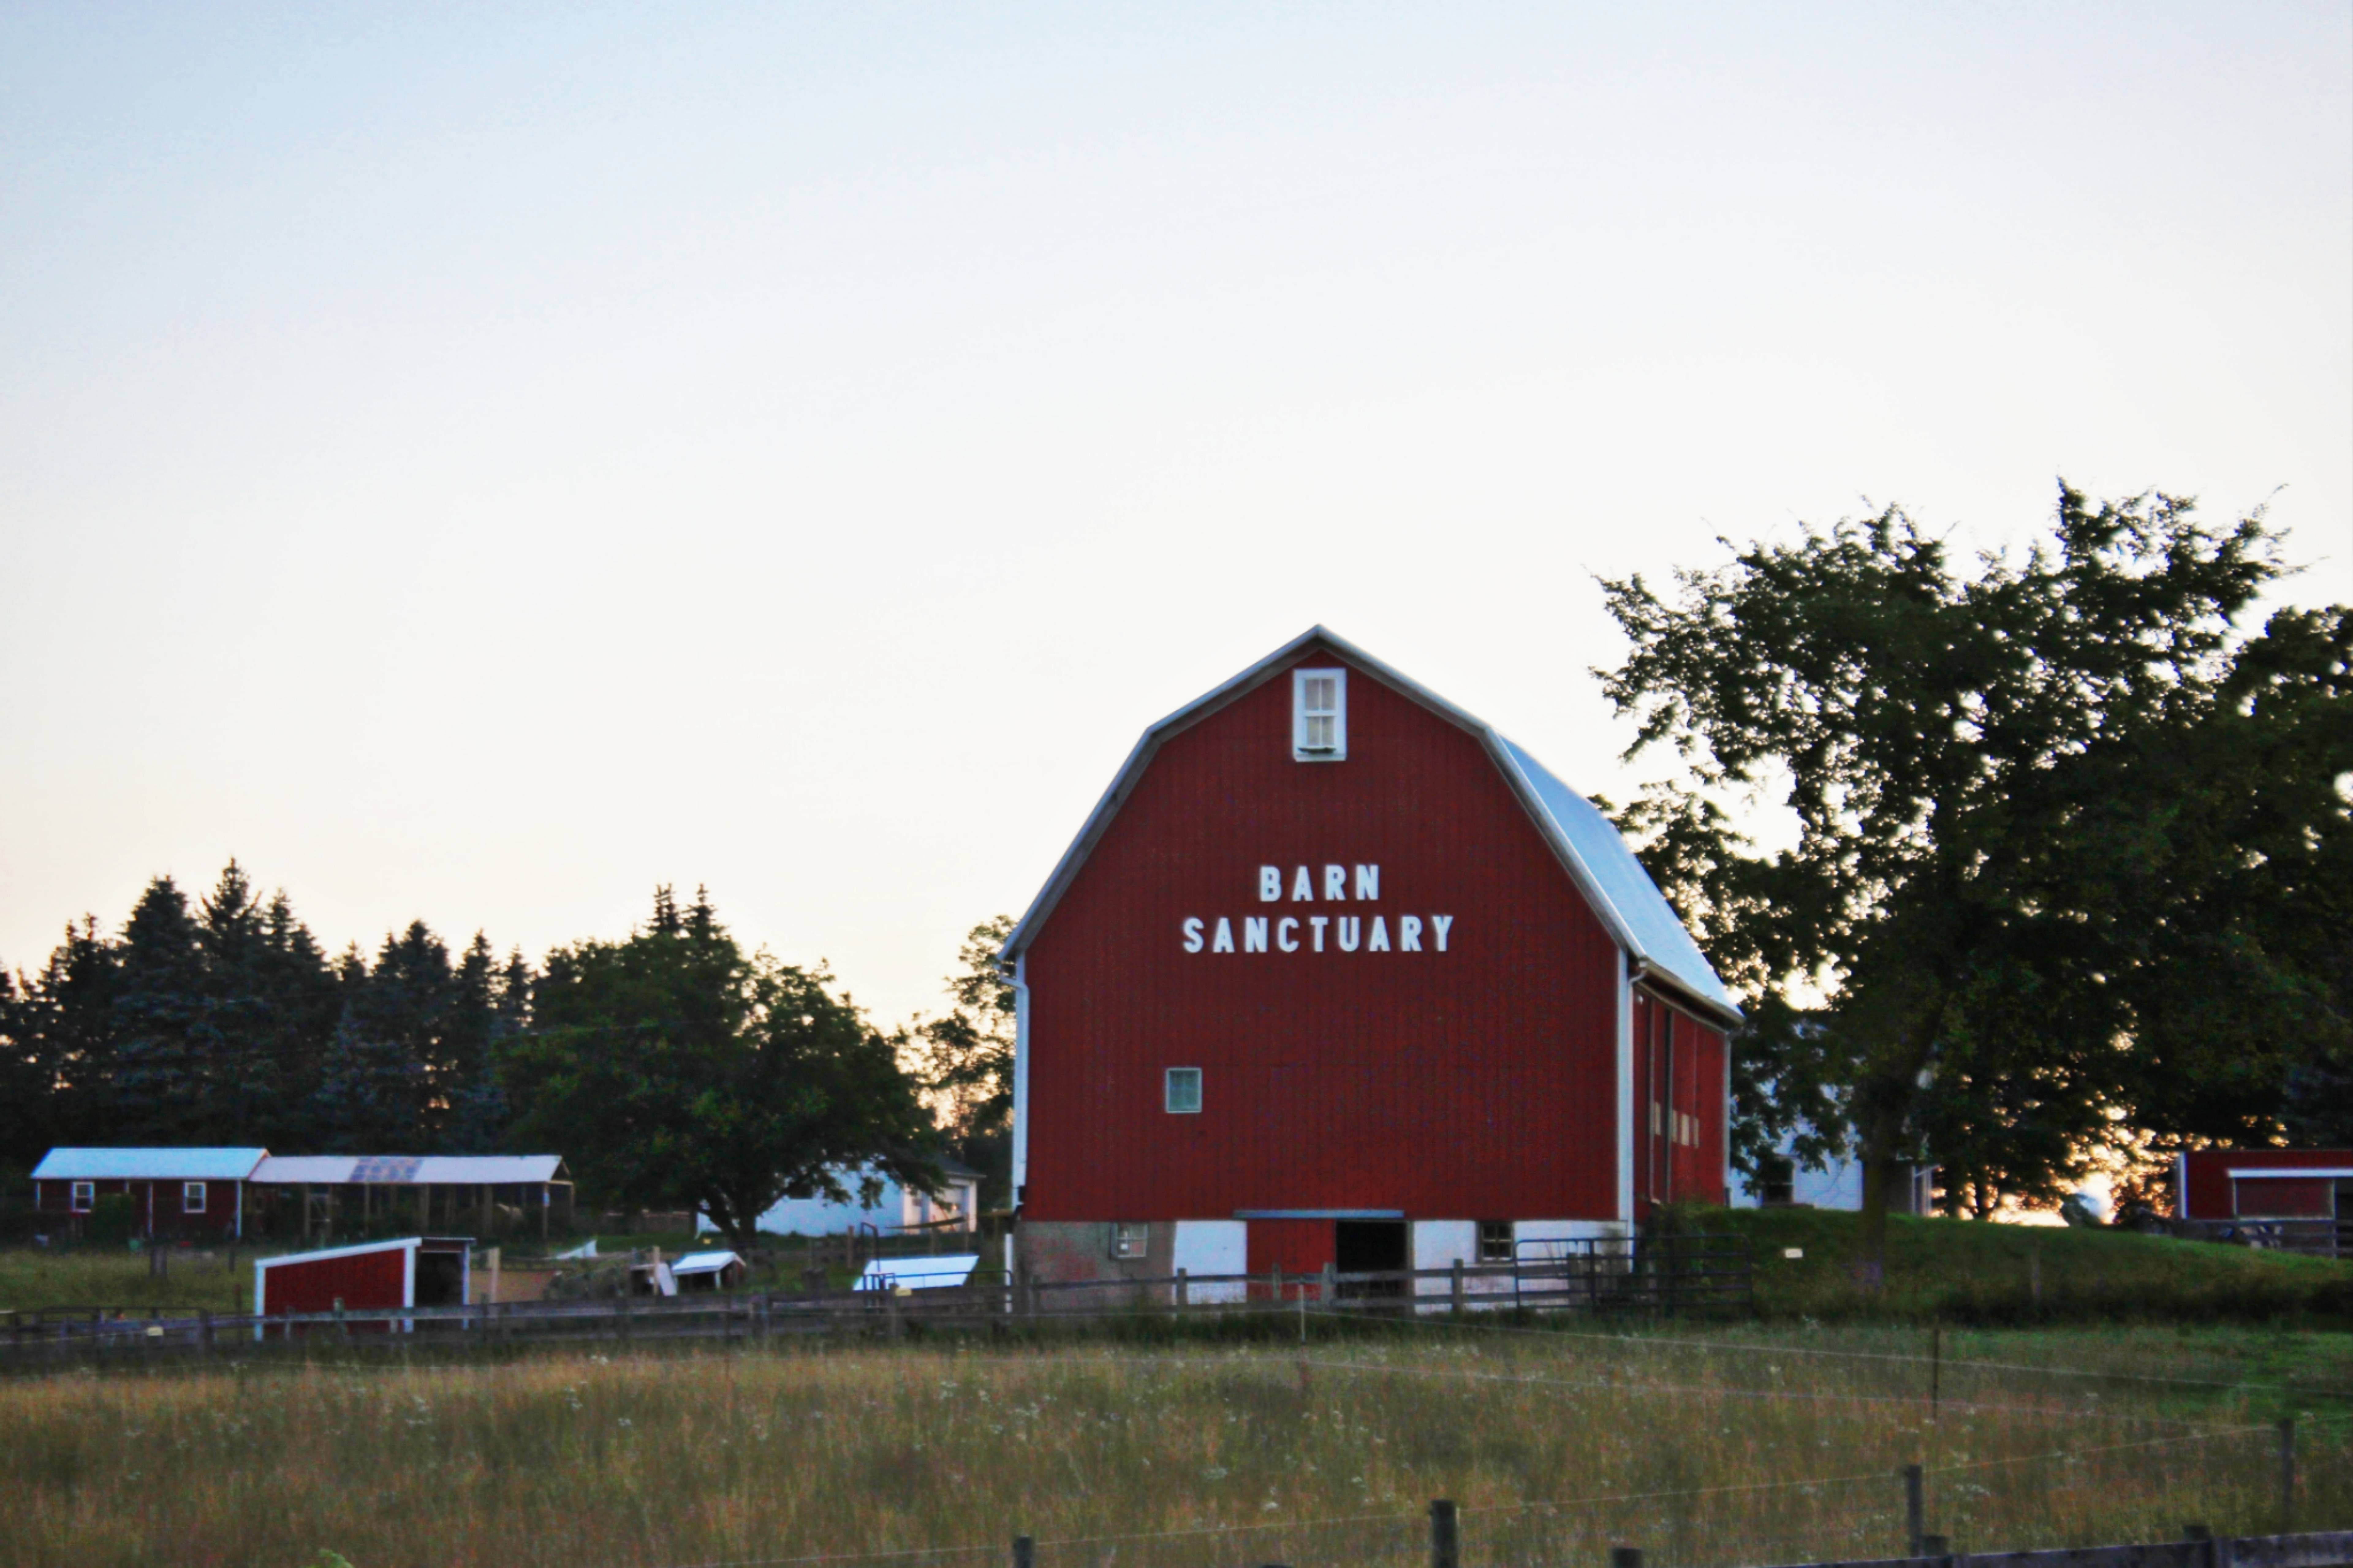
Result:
[{"x": 1730, "y": 1447}]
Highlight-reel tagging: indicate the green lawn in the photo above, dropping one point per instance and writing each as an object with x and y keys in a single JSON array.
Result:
[
  {"x": 33, "y": 1278},
  {"x": 1970, "y": 1271}
]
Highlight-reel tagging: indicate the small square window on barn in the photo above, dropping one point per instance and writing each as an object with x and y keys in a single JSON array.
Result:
[
  {"x": 84, "y": 1197},
  {"x": 1494, "y": 1241},
  {"x": 1127, "y": 1241},
  {"x": 1319, "y": 715},
  {"x": 1183, "y": 1091},
  {"x": 191, "y": 1197}
]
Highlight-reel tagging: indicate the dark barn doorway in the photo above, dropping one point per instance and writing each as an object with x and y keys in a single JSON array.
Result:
[{"x": 1371, "y": 1246}]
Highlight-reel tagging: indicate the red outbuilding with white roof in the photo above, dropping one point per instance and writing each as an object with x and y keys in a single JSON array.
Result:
[{"x": 1335, "y": 973}]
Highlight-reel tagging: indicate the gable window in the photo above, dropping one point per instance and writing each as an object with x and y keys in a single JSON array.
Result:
[
  {"x": 1319, "y": 715},
  {"x": 84, "y": 1197},
  {"x": 1127, "y": 1240},
  {"x": 1183, "y": 1091},
  {"x": 1494, "y": 1241},
  {"x": 191, "y": 1197}
]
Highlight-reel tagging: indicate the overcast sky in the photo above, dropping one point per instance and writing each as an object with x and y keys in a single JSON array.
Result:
[{"x": 477, "y": 463}]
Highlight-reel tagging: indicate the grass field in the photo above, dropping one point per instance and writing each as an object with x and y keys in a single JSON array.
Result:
[
  {"x": 1758, "y": 1445},
  {"x": 1967, "y": 1271}
]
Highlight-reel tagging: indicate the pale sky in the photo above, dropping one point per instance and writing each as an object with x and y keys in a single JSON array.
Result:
[{"x": 477, "y": 463}]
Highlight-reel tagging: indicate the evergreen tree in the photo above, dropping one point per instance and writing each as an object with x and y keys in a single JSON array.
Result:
[
  {"x": 490, "y": 1003},
  {"x": 305, "y": 1004},
  {"x": 159, "y": 1080},
  {"x": 64, "y": 1023}
]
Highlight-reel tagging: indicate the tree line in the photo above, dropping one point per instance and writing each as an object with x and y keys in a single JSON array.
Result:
[
  {"x": 2071, "y": 869},
  {"x": 672, "y": 1068}
]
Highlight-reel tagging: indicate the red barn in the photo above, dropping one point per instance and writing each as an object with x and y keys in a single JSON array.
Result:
[
  {"x": 416, "y": 1271},
  {"x": 1336, "y": 974}
]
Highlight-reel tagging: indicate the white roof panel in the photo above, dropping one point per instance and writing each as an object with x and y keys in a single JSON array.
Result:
[
  {"x": 410, "y": 1169},
  {"x": 918, "y": 1273},
  {"x": 148, "y": 1164},
  {"x": 704, "y": 1262},
  {"x": 301, "y": 1170}
]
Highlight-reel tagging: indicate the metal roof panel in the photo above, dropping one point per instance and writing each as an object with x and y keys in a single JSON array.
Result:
[{"x": 149, "y": 1164}]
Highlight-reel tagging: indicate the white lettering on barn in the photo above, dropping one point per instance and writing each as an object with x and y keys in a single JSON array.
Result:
[{"x": 1330, "y": 883}]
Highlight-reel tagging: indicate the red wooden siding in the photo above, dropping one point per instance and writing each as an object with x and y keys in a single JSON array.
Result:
[
  {"x": 2207, "y": 1174},
  {"x": 1679, "y": 1072},
  {"x": 1477, "y": 1082},
  {"x": 1294, "y": 1245},
  {"x": 2283, "y": 1197},
  {"x": 365, "y": 1279},
  {"x": 218, "y": 1219}
]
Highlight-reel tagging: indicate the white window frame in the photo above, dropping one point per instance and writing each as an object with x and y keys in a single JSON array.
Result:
[
  {"x": 191, "y": 1197},
  {"x": 1168, "y": 1097},
  {"x": 81, "y": 1198},
  {"x": 1338, "y": 751},
  {"x": 1129, "y": 1239}
]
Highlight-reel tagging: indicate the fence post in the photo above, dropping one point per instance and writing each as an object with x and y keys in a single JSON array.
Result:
[
  {"x": 1276, "y": 1275},
  {"x": 204, "y": 1330},
  {"x": 1024, "y": 1551},
  {"x": 343, "y": 1328},
  {"x": 1445, "y": 1537},
  {"x": 1934, "y": 1545},
  {"x": 1454, "y": 1288},
  {"x": 1184, "y": 1290},
  {"x": 1625, "y": 1557},
  {"x": 1914, "y": 1516},
  {"x": 1330, "y": 1293},
  {"x": 2287, "y": 1473}
]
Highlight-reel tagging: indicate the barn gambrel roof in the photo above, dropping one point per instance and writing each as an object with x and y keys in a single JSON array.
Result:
[{"x": 1622, "y": 894}]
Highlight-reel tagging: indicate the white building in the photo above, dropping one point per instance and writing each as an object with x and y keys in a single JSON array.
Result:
[{"x": 896, "y": 1210}]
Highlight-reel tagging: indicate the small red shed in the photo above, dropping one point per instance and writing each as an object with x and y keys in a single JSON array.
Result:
[
  {"x": 1335, "y": 973},
  {"x": 195, "y": 1195},
  {"x": 415, "y": 1271},
  {"x": 2264, "y": 1184}
]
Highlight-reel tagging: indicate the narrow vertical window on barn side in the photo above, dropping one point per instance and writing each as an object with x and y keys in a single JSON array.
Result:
[
  {"x": 191, "y": 1197},
  {"x": 1319, "y": 715},
  {"x": 1183, "y": 1091},
  {"x": 83, "y": 1197}
]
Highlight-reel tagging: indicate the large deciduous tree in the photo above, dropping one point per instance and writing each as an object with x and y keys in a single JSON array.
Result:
[
  {"x": 674, "y": 1067},
  {"x": 966, "y": 1055},
  {"x": 2069, "y": 843}
]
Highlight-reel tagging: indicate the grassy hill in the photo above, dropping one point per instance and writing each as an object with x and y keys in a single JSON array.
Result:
[{"x": 1969, "y": 1272}]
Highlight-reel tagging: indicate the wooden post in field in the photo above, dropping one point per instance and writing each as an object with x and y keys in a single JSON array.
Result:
[
  {"x": 1915, "y": 1518},
  {"x": 343, "y": 1328},
  {"x": 204, "y": 1330},
  {"x": 1445, "y": 1538},
  {"x": 1329, "y": 1295},
  {"x": 1276, "y": 1276},
  {"x": 1025, "y": 1552},
  {"x": 1454, "y": 1288},
  {"x": 1183, "y": 1291},
  {"x": 2287, "y": 1473}
]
